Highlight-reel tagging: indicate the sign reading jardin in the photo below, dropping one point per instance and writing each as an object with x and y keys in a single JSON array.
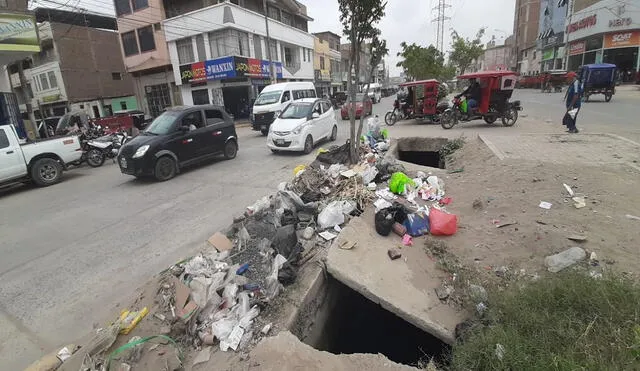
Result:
[
  {"x": 18, "y": 33},
  {"x": 226, "y": 68}
]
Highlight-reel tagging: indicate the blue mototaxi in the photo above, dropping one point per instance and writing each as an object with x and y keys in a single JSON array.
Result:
[{"x": 599, "y": 79}]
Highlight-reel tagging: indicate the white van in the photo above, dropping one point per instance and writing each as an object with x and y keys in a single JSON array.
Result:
[
  {"x": 375, "y": 92},
  {"x": 274, "y": 98}
]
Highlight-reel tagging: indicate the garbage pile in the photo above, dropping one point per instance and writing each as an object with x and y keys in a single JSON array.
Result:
[{"x": 413, "y": 207}]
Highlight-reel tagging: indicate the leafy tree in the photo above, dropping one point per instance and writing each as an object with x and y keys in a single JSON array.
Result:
[
  {"x": 420, "y": 63},
  {"x": 465, "y": 51},
  {"x": 359, "y": 19}
]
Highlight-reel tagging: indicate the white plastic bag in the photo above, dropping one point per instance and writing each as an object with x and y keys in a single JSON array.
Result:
[
  {"x": 333, "y": 214},
  {"x": 260, "y": 205},
  {"x": 369, "y": 174},
  {"x": 222, "y": 329},
  {"x": 573, "y": 113}
]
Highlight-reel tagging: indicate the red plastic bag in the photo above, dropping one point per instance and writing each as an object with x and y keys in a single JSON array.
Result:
[{"x": 441, "y": 223}]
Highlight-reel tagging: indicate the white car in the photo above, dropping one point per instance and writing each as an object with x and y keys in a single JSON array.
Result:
[{"x": 301, "y": 125}]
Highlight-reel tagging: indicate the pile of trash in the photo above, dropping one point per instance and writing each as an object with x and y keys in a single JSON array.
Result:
[{"x": 413, "y": 207}]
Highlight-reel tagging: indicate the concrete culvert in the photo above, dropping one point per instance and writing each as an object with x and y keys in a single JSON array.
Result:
[
  {"x": 349, "y": 323},
  {"x": 422, "y": 151}
]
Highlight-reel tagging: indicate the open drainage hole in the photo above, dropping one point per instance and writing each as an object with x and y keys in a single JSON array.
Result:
[
  {"x": 352, "y": 324},
  {"x": 422, "y": 151}
]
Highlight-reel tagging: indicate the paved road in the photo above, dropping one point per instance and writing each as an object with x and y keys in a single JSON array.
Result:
[{"x": 72, "y": 251}]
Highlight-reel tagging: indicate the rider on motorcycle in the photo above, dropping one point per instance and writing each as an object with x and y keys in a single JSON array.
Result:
[{"x": 472, "y": 94}]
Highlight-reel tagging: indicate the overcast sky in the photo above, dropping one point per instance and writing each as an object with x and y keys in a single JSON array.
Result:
[{"x": 405, "y": 20}]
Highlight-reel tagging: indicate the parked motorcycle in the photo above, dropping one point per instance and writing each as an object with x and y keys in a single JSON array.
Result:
[
  {"x": 105, "y": 147},
  {"x": 402, "y": 110}
]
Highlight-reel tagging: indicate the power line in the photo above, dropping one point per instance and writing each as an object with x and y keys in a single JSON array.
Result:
[{"x": 440, "y": 20}]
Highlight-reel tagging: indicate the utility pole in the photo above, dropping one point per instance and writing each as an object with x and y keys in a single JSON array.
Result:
[
  {"x": 272, "y": 69},
  {"x": 440, "y": 20},
  {"x": 27, "y": 99}
]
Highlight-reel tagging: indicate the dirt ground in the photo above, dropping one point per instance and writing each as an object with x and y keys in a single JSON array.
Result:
[{"x": 509, "y": 191}]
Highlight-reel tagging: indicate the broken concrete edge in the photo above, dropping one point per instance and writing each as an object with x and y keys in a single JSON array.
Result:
[
  {"x": 428, "y": 326},
  {"x": 392, "y": 152},
  {"x": 496, "y": 151}
]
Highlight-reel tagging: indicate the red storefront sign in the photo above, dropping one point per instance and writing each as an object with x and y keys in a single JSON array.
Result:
[
  {"x": 577, "y": 48},
  {"x": 582, "y": 24}
]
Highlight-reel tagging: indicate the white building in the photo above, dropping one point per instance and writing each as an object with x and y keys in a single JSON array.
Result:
[{"x": 220, "y": 53}]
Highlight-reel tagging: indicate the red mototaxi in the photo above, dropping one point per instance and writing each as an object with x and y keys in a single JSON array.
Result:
[
  {"x": 361, "y": 109},
  {"x": 496, "y": 89}
]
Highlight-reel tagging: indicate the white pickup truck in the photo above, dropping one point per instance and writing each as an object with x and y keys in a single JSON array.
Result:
[{"x": 41, "y": 162}]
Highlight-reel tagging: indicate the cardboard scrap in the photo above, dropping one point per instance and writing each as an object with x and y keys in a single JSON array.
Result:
[
  {"x": 184, "y": 307},
  {"x": 220, "y": 242}
]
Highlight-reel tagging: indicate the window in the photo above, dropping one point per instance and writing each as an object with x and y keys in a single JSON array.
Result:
[
  {"x": 53, "y": 82},
  {"x": 310, "y": 54},
  {"x": 286, "y": 96},
  {"x": 129, "y": 43},
  {"x": 44, "y": 82},
  {"x": 200, "y": 96},
  {"x": 4, "y": 141},
  {"x": 229, "y": 42},
  {"x": 116, "y": 76},
  {"x": 298, "y": 94},
  {"x": 193, "y": 118},
  {"x": 3, "y": 4},
  {"x": 273, "y": 13},
  {"x": 273, "y": 48},
  {"x": 123, "y": 106},
  {"x": 286, "y": 18},
  {"x": 322, "y": 63},
  {"x": 157, "y": 26},
  {"x": 257, "y": 46},
  {"x": 145, "y": 36},
  {"x": 139, "y": 4},
  {"x": 325, "y": 107},
  {"x": 213, "y": 116},
  {"x": 185, "y": 50},
  {"x": 288, "y": 56},
  {"x": 534, "y": 54},
  {"x": 304, "y": 54},
  {"x": 311, "y": 93},
  {"x": 122, "y": 7},
  {"x": 202, "y": 55}
]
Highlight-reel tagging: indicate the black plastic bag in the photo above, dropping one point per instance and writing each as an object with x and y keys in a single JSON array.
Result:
[
  {"x": 384, "y": 220},
  {"x": 285, "y": 241}
]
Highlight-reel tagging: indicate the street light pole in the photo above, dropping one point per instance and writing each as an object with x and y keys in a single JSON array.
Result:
[{"x": 272, "y": 71}]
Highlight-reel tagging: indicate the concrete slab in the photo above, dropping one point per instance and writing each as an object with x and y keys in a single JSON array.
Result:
[
  {"x": 285, "y": 352},
  {"x": 404, "y": 286}
]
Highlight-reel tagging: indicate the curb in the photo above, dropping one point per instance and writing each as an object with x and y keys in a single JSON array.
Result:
[{"x": 242, "y": 124}]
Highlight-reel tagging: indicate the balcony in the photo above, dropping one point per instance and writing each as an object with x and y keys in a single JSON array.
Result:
[{"x": 224, "y": 15}]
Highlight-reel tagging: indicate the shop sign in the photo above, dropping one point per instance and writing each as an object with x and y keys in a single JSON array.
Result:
[
  {"x": 51, "y": 98},
  {"x": 226, "y": 68},
  {"x": 622, "y": 39},
  {"x": 547, "y": 54},
  {"x": 18, "y": 33},
  {"x": 322, "y": 75},
  {"x": 577, "y": 48},
  {"x": 582, "y": 24},
  {"x": 620, "y": 22}
]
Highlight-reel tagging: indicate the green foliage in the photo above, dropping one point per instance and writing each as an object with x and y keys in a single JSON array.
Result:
[
  {"x": 421, "y": 63},
  {"x": 465, "y": 51},
  {"x": 566, "y": 321}
]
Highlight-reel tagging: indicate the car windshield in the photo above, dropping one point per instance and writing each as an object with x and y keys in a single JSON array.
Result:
[
  {"x": 359, "y": 98},
  {"x": 296, "y": 111},
  {"x": 163, "y": 123},
  {"x": 268, "y": 98}
]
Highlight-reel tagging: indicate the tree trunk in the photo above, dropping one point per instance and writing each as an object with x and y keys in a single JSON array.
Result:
[
  {"x": 354, "y": 61},
  {"x": 364, "y": 98}
]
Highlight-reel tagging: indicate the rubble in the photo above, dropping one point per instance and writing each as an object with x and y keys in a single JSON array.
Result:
[{"x": 556, "y": 263}]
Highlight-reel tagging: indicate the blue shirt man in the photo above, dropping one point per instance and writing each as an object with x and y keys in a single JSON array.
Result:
[{"x": 573, "y": 101}]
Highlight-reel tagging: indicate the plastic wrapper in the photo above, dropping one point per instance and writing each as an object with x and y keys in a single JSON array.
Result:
[
  {"x": 369, "y": 174},
  {"x": 198, "y": 266},
  {"x": 221, "y": 329},
  {"x": 333, "y": 214},
  {"x": 417, "y": 224},
  {"x": 398, "y": 183},
  {"x": 229, "y": 293},
  {"x": 260, "y": 205},
  {"x": 441, "y": 223}
]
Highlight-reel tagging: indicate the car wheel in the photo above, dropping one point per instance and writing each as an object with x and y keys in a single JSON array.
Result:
[
  {"x": 308, "y": 144},
  {"x": 264, "y": 132},
  {"x": 46, "y": 172},
  {"x": 95, "y": 158},
  {"x": 230, "y": 149},
  {"x": 165, "y": 168},
  {"x": 275, "y": 151},
  {"x": 334, "y": 133}
]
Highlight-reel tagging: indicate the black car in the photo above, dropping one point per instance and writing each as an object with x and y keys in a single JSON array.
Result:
[
  {"x": 338, "y": 99},
  {"x": 179, "y": 137}
]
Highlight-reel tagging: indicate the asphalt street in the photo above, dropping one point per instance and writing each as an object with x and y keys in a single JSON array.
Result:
[{"x": 71, "y": 253}]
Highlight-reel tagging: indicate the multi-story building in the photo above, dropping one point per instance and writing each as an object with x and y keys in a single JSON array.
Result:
[
  {"x": 525, "y": 30},
  {"x": 604, "y": 31},
  {"x": 79, "y": 67},
  {"x": 145, "y": 53},
  {"x": 222, "y": 53},
  {"x": 327, "y": 63},
  {"x": 551, "y": 34},
  {"x": 365, "y": 57}
]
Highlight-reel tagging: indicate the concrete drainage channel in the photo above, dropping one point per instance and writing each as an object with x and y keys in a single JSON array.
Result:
[
  {"x": 421, "y": 151},
  {"x": 339, "y": 320}
]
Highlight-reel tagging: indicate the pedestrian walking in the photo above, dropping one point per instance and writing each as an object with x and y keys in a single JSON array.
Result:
[{"x": 573, "y": 101}]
